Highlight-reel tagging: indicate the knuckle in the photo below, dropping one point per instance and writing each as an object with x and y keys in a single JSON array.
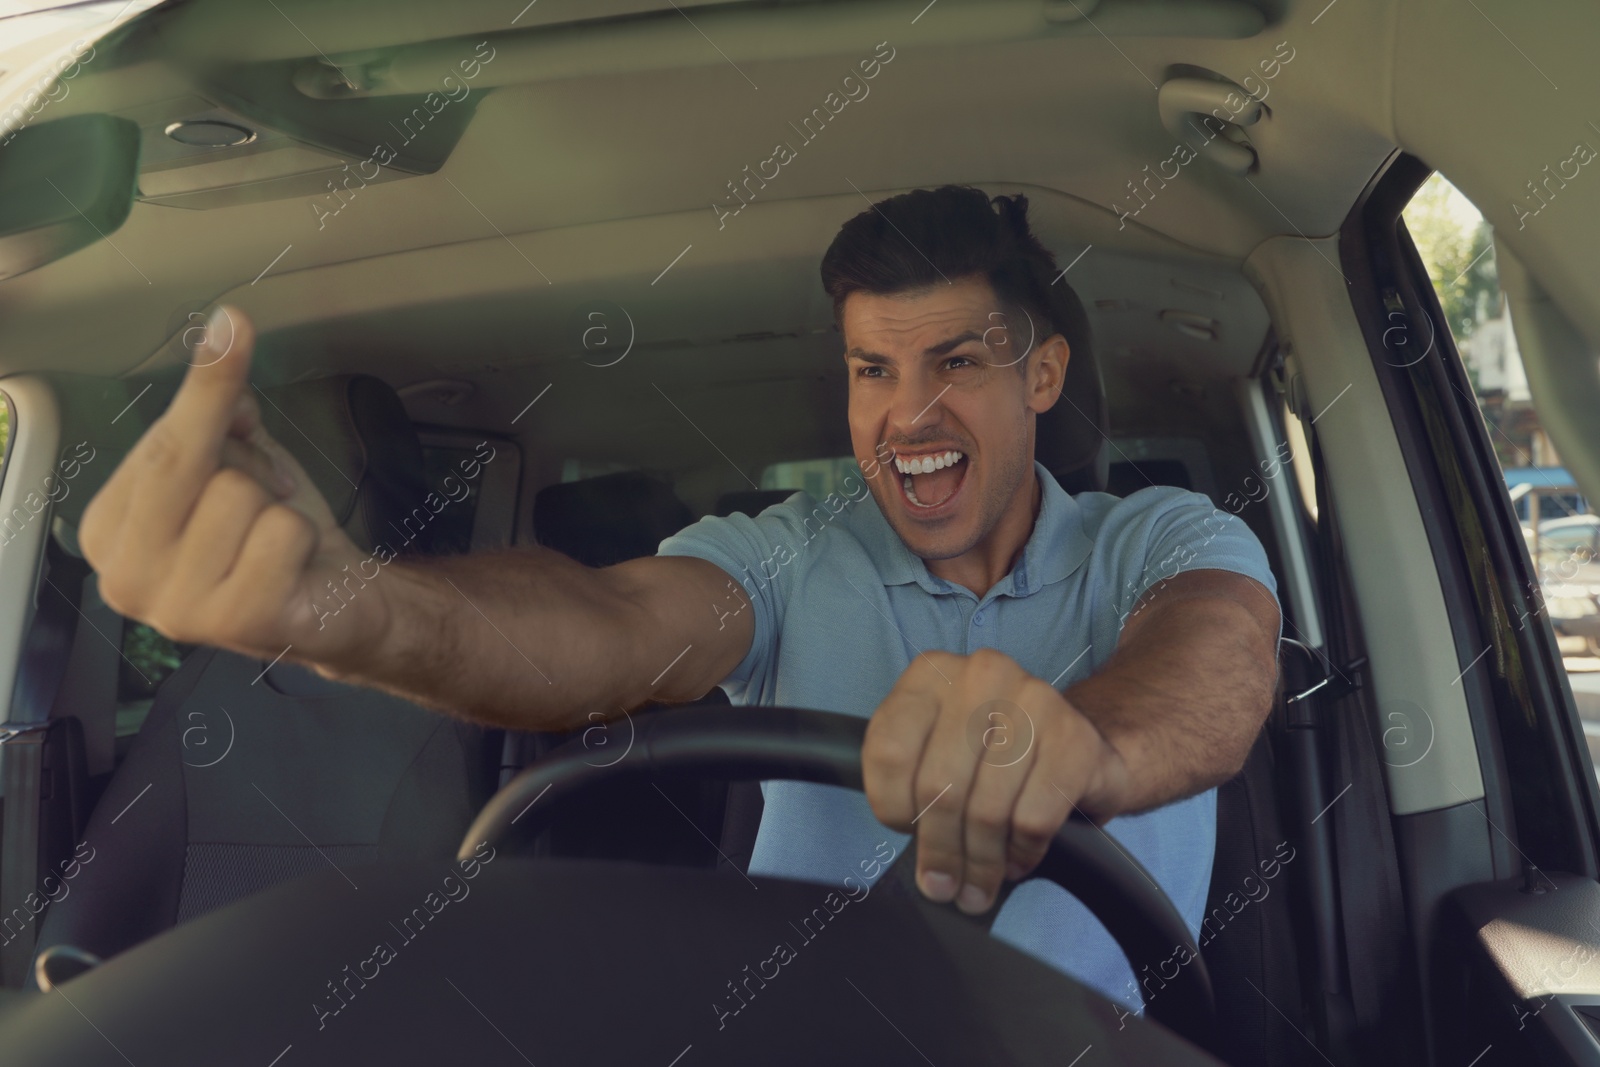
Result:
[
  {"x": 214, "y": 610},
  {"x": 158, "y": 449},
  {"x": 167, "y": 623},
  {"x": 257, "y": 621},
  {"x": 888, "y": 807},
  {"x": 1038, "y": 693},
  {"x": 929, "y": 789},
  {"x": 990, "y": 819},
  {"x": 233, "y": 484},
  {"x": 992, "y": 663},
  {"x": 876, "y": 800},
  {"x": 120, "y": 595},
  {"x": 1033, "y": 830},
  {"x": 885, "y": 755},
  {"x": 213, "y": 626},
  {"x": 286, "y": 525}
]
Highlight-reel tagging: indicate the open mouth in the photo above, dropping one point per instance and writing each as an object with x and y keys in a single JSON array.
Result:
[{"x": 931, "y": 480}]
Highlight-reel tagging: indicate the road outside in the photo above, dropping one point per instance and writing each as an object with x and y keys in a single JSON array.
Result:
[{"x": 1584, "y": 673}]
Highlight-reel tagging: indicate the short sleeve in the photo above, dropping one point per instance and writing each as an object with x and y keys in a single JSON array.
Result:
[
  {"x": 754, "y": 552},
  {"x": 1168, "y": 531}
]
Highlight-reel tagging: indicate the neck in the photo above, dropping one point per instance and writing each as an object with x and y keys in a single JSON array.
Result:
[{"x": 983, "y": 565}]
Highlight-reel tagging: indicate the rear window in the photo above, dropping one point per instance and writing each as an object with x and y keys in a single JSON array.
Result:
[
  {"x": 450, "y": 533},
  {"x": 577, "y": 470},
  {"x": 819, "y": 477}
]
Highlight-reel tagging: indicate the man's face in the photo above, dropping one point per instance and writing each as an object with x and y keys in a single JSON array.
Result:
[{"x": 943, "y": 378}]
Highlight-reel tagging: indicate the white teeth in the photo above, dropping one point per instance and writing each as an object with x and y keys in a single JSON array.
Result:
[
  {"x": 923, "y": 465},
  {"x": 927, "y": 464}
]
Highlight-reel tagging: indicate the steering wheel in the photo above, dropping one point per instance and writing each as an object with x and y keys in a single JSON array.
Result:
[{"x": 748, "y": 743}]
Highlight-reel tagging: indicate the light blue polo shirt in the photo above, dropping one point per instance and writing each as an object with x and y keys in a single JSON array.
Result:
[{"x": 842, "y": 606}]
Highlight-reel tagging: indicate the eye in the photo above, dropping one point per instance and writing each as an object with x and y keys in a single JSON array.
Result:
[{"x": 957, "y": 362}]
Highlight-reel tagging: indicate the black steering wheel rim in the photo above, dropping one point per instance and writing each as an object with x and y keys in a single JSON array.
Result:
[{"x": 756, "y": 743}]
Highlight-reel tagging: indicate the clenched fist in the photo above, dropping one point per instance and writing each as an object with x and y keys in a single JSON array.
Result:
[
  {"x": 210, "y": 532},
  {"x": 983, "y": 762}
]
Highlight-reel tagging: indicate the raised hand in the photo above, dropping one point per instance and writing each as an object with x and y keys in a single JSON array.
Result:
[{"x": 210, "y": 532}]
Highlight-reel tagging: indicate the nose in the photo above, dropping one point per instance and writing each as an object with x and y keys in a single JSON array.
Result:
[{"x": 916, "y": 407}]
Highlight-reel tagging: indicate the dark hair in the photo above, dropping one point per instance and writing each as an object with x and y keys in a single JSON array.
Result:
[{"x": 928, "y": 237}]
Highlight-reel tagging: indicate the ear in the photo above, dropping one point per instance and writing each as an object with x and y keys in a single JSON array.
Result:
[{"x": 1047, "y": 374}]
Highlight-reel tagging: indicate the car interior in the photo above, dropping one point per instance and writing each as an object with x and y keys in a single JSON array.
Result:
[{"x": 573, "y": 305}]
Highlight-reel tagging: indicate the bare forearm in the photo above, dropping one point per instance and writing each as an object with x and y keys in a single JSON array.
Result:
[
  {"x": 210, "y": 531},
  {"x": 524, "y": 638},
  {"x": 1183, "y": 702}
]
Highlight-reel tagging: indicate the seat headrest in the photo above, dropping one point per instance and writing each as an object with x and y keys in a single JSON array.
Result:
[
  {"x": 751, "y": 501},
  {"x": 605, "y": 520},
  {"x": 1072, "y": 438},
  {"x": 1131, "y": 475},
  {"x": 352, "y": 435},
  {"x": 350, "y": 432}
]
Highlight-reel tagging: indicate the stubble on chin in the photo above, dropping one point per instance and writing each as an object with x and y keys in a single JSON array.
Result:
[
  {"x": 921, "y": 545},
  {"x": 991, "y": 502}
]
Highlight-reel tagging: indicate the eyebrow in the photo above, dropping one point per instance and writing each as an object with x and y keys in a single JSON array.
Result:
[{"x": 939, "y": 349}]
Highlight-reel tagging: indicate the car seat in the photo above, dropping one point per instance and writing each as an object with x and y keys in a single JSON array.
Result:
[
  {"x": 605, "y": 520},
  {"x": 599, "y": 522},
  {"x": 245, "y": 774}
]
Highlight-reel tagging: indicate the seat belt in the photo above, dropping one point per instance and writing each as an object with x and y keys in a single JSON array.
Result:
[
  {"x": 24, "y": 735},
  {"x": 1379, "y": 972}
]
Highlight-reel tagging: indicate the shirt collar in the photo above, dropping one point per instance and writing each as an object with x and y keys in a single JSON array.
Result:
[{"x": 1056, "y": 547}]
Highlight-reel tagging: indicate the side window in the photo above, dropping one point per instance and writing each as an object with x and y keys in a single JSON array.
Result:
[
  {"x": 147, "y": 661},
  {"x": 10, "y": 524},
  {"x": 1558, "y": 523},
  {"x": 7, "y": 417}
]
